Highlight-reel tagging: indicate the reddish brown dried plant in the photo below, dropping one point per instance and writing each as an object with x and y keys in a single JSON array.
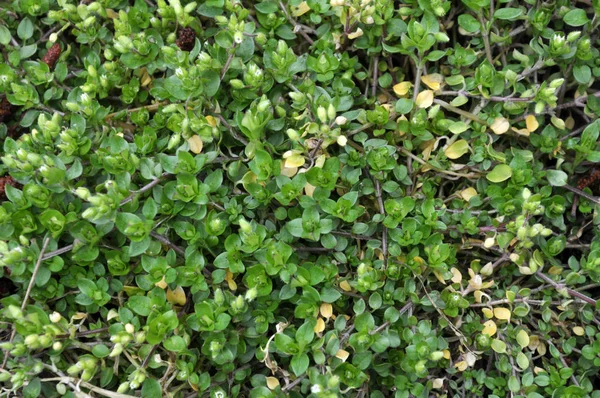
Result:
[
  {"x": 52, "y": 55},
  {"x": 8, "y": 180},
  {"x": 588, "y": 180},
  {"x": 186, "y": 39},
  {"x": 6, "y": 109}
]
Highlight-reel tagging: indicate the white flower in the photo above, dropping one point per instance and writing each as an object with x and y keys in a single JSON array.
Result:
[{"x": 55, "y": 317}]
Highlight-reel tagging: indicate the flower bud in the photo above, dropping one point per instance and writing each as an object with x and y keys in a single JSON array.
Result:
[
  {"x": 237, "y": 84},
  {"x": 331, "y": 112},
  {"x": 92, "y": 71},
  {"x": 571, "y": 37},
  {"x": 32, "y": 341},
  {"x": 140, "y": 337},
  {"x": 251, "y": 294},
  {"x": 263, "y": 105},
  {"x": 117, "y": 350},
  {"x": 123, "y": 387},
  {"x": 322, "y": 114},
  {"x": 341, "y": 120}
]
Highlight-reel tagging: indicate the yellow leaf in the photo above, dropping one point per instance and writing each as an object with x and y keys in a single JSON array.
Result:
[
  {"x": 468, "y": 193},
  {"x": 570, "y": 123},
  {"x": 446, "y": 354},
  {"x": 196, "y": 144},
  {"x": 176, "y": 296},
  {"x": 110, "y": 13},
  {"x": 345, "y": 286},
  {"x": 419, "y": 260},
  {"x": 146, "y": 79},
  {"x": 162, "y": 284},
  {"x": 433, "y": 81},
  {"x": 439, "y": 277},
  {"x": 424, "y": 99},
  {"x": 554, "y": 270},
  {"x": 428, "y": 147},
  {"x": 478, "y": 295},
  {"x": 230, "y": 282},
  {"x": 542, "y": 349},
  {"x": 531, "y": 123},
  {"x": 326, "y": 310},
  {"x": 300, "y": 9},
  {"x": 112, "y": 314},
  {"x": 358, "y": 33},
  {"x": 438, "y": 383},
  {"x": 523, "y": 132},
  {"x": 489, "y": 328},
  {"x": 272, "y": 382},
  {"x": 320, "y": 326},
  {"x": 557, "y": 122},
  {"x": 456, "y": 275},
  {"x": 402, "y": 88},
  {"x": 79, "y": 315},
  {"x": 502, "y": 313},
  {"x": 309, "y": 189},
  {"x": 500, "y": 125},
  {"x": 579, "y": 331},
  {"x": 457, "y": 149},
  {"x": 296, "y": 160},
  {"x": 289, "y": 171},
  {"x": 487, "y": 312},
  {"x": 342, "y": 354},
  {"x": 212, "y": 121},
  {"x": 534, "y": 342},
  {"x": 461, "y": 366}
]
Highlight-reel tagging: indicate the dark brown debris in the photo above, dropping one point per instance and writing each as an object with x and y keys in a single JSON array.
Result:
[{"x": 186, "y": 39}]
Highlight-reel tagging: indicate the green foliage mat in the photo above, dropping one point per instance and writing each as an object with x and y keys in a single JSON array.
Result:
[{"x": 317, "y": 198}]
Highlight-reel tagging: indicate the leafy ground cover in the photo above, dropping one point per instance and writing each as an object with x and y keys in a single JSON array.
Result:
[{"x": 317, "y": 198}]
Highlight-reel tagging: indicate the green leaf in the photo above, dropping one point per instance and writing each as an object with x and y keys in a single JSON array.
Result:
[
  {"x": 175, "y": 344},
  {"x": 86, "y": 287},
  {"x": 509, "y": 14},
  {"x": 457, "y": 149},
  {"x": 5, "y": 35},
  {"x": 522, "y": 361},
  {"x": 499, "y": 346},
  {"x": 468, "y": 23},
  {"x": 151, "y": 388},
  {"x": 25, "y": 29},
  {"x": 267, "y": 7},
  {"x": 582, "y": 73},
  {"x": 501, "y": 172},
  {"x": 523, "y": 338},
  {"x": 305, "y": 333},
  {"x": 557, "y": 178},
  {"x": 100, "y": 351},
  {"x": 141, "y": 305},
  {"x": 330, "y": 295},
  {"x": 299, "y": 364},
  {"x": 576, "y": 17},
  {"x": 404, "y": 106},
  {"x": 33, "y": 389}
]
